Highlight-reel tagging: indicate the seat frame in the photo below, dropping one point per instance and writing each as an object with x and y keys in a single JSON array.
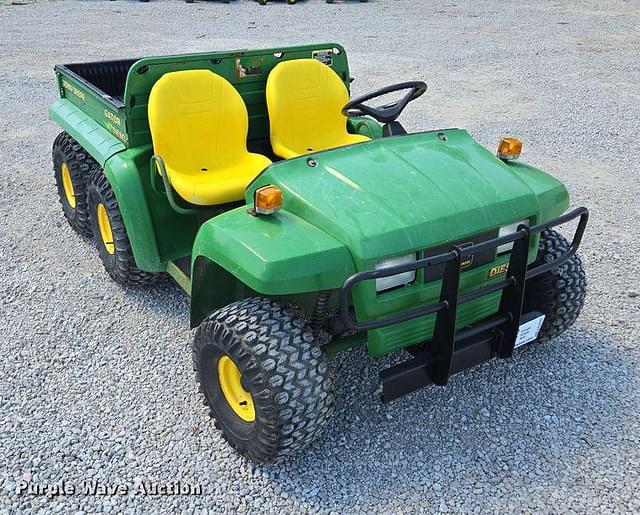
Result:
[{"x": 156, "y": 165}]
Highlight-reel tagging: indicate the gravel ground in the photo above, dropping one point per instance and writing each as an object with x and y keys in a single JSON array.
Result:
[{"x": 97, "y": 381}]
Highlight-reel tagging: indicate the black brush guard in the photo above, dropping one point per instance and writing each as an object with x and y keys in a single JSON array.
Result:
[{"x": 451, "y": 351}]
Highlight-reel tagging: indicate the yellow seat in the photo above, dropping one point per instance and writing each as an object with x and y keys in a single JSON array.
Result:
[
  {"x": 305, "y": 100},
  {"x": 199, "y": 127}
]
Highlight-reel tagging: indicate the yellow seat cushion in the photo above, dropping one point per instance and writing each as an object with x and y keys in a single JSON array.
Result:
[
  {"x": 199, "y": 126},
  {"x": 305, "y": 100}
]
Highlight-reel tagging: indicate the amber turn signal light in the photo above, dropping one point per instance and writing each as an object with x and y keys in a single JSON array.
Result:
[
  {"x": 267, "y": 200},
  {"x": 509, "y": 149}
]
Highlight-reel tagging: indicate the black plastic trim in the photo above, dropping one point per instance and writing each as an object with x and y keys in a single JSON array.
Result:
[{"x": 472, "y": 347}]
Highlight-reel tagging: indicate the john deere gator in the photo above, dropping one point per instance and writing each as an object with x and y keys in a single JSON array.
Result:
[{"x": 302, "y": 223}]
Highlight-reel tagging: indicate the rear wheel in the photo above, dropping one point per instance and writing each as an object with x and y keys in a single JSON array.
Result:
[
  {"x": 72, "y": 167},
  {"x": 111, "y": 237},
  {"x": 263, "y": 377},
  {"x": 558, "y": 293}
]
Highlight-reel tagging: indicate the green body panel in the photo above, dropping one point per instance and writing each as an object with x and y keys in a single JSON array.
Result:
[
  {"x": 93, "y": 137},
  {"x": 552, "y": 196},
  {"x": 236, "y": 254},
  {"x": 274, "y": 255},
  {"x": 157, "y": 233},
  {"x": 393, "y": 337},
  {"x": 395, "y": 196}
]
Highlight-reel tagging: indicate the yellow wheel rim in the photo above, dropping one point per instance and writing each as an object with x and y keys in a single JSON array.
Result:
[
  {"x": 105, "y": 229},
  {"x": 67, "y": 186},
  {"x": 237, "y": 397}
]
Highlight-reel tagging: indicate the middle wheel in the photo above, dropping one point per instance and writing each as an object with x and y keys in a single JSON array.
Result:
[
  {"x": 111, "y": 236},
  {"x": 264, "y": 378}
]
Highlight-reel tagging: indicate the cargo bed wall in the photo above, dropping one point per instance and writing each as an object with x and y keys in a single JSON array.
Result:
[
  {"x": 97, "y": 89},
  {"x": 109, "y": 77}
]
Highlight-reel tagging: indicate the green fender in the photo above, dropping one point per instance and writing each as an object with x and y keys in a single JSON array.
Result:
[
  {"x": 94, "y": 138},
  {"x": 124, "y": 172},
  {"x": 236, "y": 254},
  {"x": 552, "y": 195}
]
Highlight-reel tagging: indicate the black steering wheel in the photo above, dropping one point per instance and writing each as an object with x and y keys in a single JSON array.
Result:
[{"x": 388, "y": 112}]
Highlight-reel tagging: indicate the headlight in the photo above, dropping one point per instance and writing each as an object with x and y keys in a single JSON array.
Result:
[
  {"x": 386, "y": 283},
  {"x": 508, "y": 229}
]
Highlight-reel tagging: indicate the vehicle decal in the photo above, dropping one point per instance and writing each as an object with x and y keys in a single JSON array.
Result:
[
  {"x": 73, "y": 89},
  {"x": 469, "y": 259},
  {"x": 112, "y": 117},
  {"x": 498, "y": 270},
  {"x": 117, "y": 132}
]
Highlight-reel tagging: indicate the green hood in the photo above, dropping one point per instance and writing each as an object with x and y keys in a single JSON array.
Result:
[{"x": 396, "y": 195}]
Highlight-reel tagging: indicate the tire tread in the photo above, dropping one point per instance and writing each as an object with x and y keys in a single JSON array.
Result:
[
  {"x": 285, "y": 367},
  {"x": 122, "y": 268},
  {"x": 558, "y": 293},
  {"x": 81, "y": 167}
]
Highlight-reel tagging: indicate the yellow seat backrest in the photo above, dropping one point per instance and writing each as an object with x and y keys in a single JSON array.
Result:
[
  {"x": 199, "y": 126},
  {"x": 305, "y": 100}
]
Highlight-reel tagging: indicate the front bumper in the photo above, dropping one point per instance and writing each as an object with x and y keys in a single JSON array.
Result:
[{"x": 451, "y": 351}]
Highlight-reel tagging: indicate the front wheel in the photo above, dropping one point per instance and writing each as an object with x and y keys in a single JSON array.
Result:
[
  {"x": 559, "y": 293},
  {"x": 263, "y": 377}
]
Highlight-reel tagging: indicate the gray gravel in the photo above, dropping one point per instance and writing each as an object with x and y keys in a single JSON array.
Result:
[{"x": 97, "y": 381}]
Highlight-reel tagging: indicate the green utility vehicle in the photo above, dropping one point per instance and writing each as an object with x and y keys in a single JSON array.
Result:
[
  {"x": 302, "y": 223},
  {"x": 264, "y": 2}
]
